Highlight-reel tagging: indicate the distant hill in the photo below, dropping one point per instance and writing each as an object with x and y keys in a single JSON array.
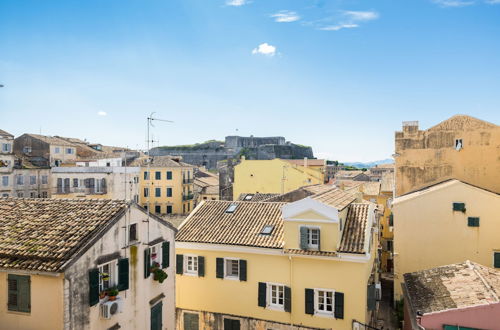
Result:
[{"x": 369, "y": 164}]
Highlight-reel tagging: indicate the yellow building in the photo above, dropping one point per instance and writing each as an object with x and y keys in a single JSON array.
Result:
[
  {"x": 462, "y": 147},
  {"x": 166, "y": 186},
  {"x": 306, "y": 264},
  {"x": 84, "y": 265},
  {"x": 445, "y": 224},
  {"x": 206, "y": 186},
  {"x": 276, "y": 175}
]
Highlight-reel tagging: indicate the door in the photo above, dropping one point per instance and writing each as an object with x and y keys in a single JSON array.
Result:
[{"x": 156, "y": 323}]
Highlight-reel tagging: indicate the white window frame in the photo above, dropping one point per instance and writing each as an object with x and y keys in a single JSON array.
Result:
[
  {"x": 113, "y": 274},
  {"x": 45, "y": 179},
  {"x": 269, "y": 293},
  {"x": 226, "y": 275},
  {"x": 20, "y": 179},
  {"x": 309, "y": 236},
  {"x": 57, "y": 150},
  {"x": 158, "y": 250},
  {"x": 193, "y": 271},
  {"x": 32, "y": 180},
  {"x": 319, "y": 312}
]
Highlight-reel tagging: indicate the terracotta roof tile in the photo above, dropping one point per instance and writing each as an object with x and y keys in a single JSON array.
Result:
[
  {"x": 5, "y": 134},
  {"x": 258, "y": 197},
  {"x": 42, "y": 234},
  {"x": 356, "y": 225},
  {"x": 335, "y": 197}
]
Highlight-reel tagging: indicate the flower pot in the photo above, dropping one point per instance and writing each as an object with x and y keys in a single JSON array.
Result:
[{"x": 112, "y": 298}]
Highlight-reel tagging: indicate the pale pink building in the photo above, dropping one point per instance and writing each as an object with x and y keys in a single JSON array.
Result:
[{"x": 464, "y": 295}]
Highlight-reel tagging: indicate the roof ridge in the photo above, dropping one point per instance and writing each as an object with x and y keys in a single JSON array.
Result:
[{"x": 486, "y": 283}]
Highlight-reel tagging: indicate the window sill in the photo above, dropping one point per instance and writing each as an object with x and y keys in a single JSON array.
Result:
[
  {"x": 325, "y": 314},
  {"x": 19, "y": 313},
  {"x": 232, "y": 278},
  {"x": 276, "y": 308},
  {"x": 191, "y": 274}
]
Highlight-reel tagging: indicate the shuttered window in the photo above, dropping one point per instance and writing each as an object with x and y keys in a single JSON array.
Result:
[
  {"x": 165, "y": 247},
  {"x": 93, "y": 286},
  {"x": 459, "y": 207},
  {"x": 323, "y": 302},
  {"x": 169, "y": 192},
  {"x": 179, "y": 264},
  {"x": 231, "y": 324},
  {"x": 496, "y": 259},
  {"x": 169, "y": 175},
  {"x": 123, "y": 274},
  {"x": 473, "y": 221},
  {"x": 243, "y": 270},
  {"x": 372, "y": 298},
  {"x": 201, "y": 266},
  {"x": 19, "y": 293},
  {"x": 191, "y": 321},
  {"x": 147, "y": 263}
]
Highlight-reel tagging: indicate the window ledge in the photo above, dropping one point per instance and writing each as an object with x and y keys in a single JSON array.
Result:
[
  {"x": 325, "y": 314},
  {"x": 276, "y": 308},
  {"x": 233, "y": 278},
  {"x": 190, "y": 274},
  {"x": 19, "y": 313}
]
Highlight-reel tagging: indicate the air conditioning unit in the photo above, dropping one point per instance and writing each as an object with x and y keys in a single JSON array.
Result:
[
  {"x": 110, "y": 308},
  {"x": 378, "y": 291}
]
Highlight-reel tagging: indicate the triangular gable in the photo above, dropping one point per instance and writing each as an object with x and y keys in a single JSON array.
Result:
[{"x": 309, "y": 206}]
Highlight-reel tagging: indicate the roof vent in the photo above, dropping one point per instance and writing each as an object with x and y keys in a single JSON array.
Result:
[{"x": 231, "y": 208}]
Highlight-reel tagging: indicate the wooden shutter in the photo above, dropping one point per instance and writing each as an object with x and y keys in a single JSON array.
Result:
[
  {"x": 147, "y": 262},
  {"x": 459, "y": 207},
  {"x": 12, "y": 293},
  {"x": 179, "y": 265},
  {"x": 303, "y": 238},
  {"x": 59, "y": 185},
  {"x": 104, "y": 186},
  {"x": 371, "y": 303},
  {"x": 339, "y": 305},
  {"x": 473, "y": 221},
  {"x": 319, "y": 239},
  {"x": 219, "y": 268},
  {"x": 310, "y": 301},
  {"x": 93, "y": 286},
  {"x": 391, "y": 220},
  {"x": 243, "y": 270},
  {"x": 123, "y": 274},
  {"x": 231, "y": 324},
  {"x": 262, "y": 294},
  {"x": 288, "y": 299},
  {"x": 165, "y": 255},
  {"x": 92, "y": 185},
  {"x": 496, "y": 258},
  {"x": 24, "y": 294},
  {"x": 201, "y": 266},
  {"x": 67, "y": 184}
]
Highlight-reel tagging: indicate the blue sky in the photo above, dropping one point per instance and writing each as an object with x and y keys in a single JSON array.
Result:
[{"x": 339, "y": 75}]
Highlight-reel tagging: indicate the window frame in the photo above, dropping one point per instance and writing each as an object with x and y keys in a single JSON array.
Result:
[
  {"x": 130, "y": 240},
  {"x": 169, "y": 175},
  {"x": 158, "y": 250},
  {"x": 113, "y": 274},
  {"x": 18, "y": 308},
  {"x": 5, "y": 180},
  {"x": 493, "y": 263},
  {"x": 311, "y": 246},
  {"x": 194, "y": 270},
  {"x": 231, "y": 277},
  {"x": 45, "y": 179},
  {"x": 157, "y": 175},
  {"x": 157, "y": 191},
  {"x": 167, "y": 192},
  {"x": 269, "y": 296},
  {"x": 157, "y": 207},
  {"x": 146, "y": 192},
  {"x": 317, "y": 311}
]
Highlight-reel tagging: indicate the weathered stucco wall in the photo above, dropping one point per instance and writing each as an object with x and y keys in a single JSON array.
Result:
[{"x": 78, "y": 315}]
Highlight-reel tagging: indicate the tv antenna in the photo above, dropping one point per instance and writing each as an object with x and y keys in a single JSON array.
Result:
[{"x": 150, "y": 120}]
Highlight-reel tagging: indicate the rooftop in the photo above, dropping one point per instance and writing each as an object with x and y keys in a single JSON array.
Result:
[
  {"x": 257, "y": 197},
  {"x": 310, "y": 162},
  {"x": 461, "y": 285},
  {"x": 167, "y": 161},
  {"x": 5, "y": 134},
  {"x": 44, "y": 234}
]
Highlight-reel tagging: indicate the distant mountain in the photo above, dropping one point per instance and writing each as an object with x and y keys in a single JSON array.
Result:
[{"x": 369, "y": 164}]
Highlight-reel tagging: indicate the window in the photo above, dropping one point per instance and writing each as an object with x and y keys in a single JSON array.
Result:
[
  {"x": 32, "y": 179},
  {"x": 473, "y": 221},
  {"x": 5, "y": 147},
  {"x": 5, "y": 195},
  {"x": 157, "y": 175},
  {"x": 189, "y": 207},
  {"x": 309, "y": 238},
  {"x": 458, "y": 144},
  {"x": 232, "y": 268},
  {"x": 276, "y": 293},
  {"x": 191, "y": 321},
  {"x": 169, "y": 209},
  {"x": 136, "y": 198},
  {"x": 136, "y": 179},
  {"x": 324, "y": 301},
  {"x": 231, "y": 324},
  {"x": 44, "y": 194},
  {"x": 45, "y": 179},
  {"x": 157, "y": 192},
  {"x": 20, "y": 194},
  {"x": 231, "y": 208},
  {"x": 20, "y": 179},
  {"x": 389, "y": 246},
  {"x": 27, "y": 150},
  {"x": 169, "y": 175},
  {"x": 169, "y": 192},
  {"x": 69, "y": 151},
  {"x": 191, "y": 265},
  {"x": 459, "y": 207},
  {"x": 146, "y": 175},
  {"x": 19, "y": 293},
  {"x": 156, "y": 254},
  {"x": 132, "y": 233},
  {"x": 267, "y": 230},
  {"x": 496, "y": 259},
  {"x": 57, "y": 150},
  {"x": 75, "y": 183},
  {"x": 146, "y": 192},
  {"x": 5, "y": 181},
  {"x": 158, "y": 209},
  {"x": 32, "y": 194},
  {"x": 107, "y": 275}
]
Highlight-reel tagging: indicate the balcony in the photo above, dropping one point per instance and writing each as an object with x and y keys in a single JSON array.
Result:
[
  {"x": 187, "y": 197},
  {"x": 187, "y": 181}
]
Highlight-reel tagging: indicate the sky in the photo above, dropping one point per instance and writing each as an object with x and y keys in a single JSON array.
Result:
[{"x": 338, "y": 75}]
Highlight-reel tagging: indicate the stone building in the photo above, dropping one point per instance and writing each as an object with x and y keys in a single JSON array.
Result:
[
  {"x": 55, "y": 150},
  {"x": 461, "y": 147}
]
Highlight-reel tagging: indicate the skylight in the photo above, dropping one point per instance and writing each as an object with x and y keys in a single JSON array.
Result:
[
  {"x": 231, "y": 208},
  {"x": 267, "y": 230},
  {"x": 248, "y": 197}
]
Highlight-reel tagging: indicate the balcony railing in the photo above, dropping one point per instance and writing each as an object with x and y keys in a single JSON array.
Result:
[
  {"x": 187, "y": 197},
  {"x": 187, "y": 181}
]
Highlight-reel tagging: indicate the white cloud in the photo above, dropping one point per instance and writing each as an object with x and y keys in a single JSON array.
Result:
[
  {"x": 265, "y": 49},
  {"x": 338, "y": 27},
  {"x": 102, "y": 113},
  {"x": 454, "y": 3},
  {"x": 285, "y": 16},
  {"x": 236, "y": 3},
  {"x": 361, "y": 15}
]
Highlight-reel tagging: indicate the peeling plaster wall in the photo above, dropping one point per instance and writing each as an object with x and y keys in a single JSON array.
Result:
[{"x": 78, "y": 315}]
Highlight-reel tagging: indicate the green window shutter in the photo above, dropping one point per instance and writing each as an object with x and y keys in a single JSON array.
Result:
[
  {"x": 201, "y": 266},
  {"x": 93, "y": 286},
  {"x": 165, "y": 255},
  {"x": 179, "y": 264},
  {"x": 319, "y": 239},
  {"x": 473, "y": 221},
  {"x": 262, "y": 294},
  {"x": 459, "y": 207},
  {"x": 303, "y": 238},
  {"x": 371, "y": 297},
  {"x": 339, "y": 305},
  {"x": 310, "y": 301},
  {"x": 391, "y": 220},
  {"x": 24, "y": 294},
  {"x": 12, "y": 293},
  {"x": 219, "y": 268},
  {"x": 147, "y": 262},
  {"x": 230, "y": 324},
  {"x": 496, "y": 262},
  {"x": 123, "y": 274},
  {"x": 243, "y": 270},
  {"x": 288, "y": 299}
]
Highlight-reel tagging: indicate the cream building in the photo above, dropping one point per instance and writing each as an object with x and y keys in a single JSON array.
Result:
[
  {"x": 63, "y": 261},
  {"x": 444, "y": 224}
]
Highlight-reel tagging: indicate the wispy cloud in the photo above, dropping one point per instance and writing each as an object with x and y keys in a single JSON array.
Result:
[
  {"x": 236, "y": 3},
  {"x": 454, "y": 3},
  {"x": 102, "y": 113},
  {"x": 360, "y": 16},
  {"x": 285, "y": 16},
  {"x": 338, "y": 27},
  {"x": 265, "y": 49}
]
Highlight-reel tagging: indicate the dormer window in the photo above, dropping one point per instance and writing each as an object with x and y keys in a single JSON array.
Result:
[
  {"x": 267, "y": 230},
  {"x": 231, "y": 208},
  {"x": 309, "y": 238},
  {"x": 248, "y": 197}
]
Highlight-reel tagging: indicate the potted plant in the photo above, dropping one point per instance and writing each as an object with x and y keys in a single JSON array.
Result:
[
  {"x": 160, "y": 275},
  {"x": 154, "y": 267},
  {"x": 102, "y": 294},
  {"x": 112, "y": 293}
]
